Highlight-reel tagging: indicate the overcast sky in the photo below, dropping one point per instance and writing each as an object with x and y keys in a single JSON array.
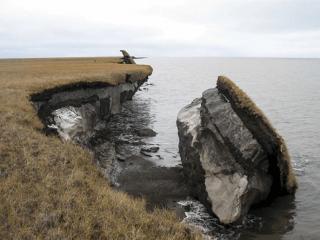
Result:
[{"x": 240, "y": 28}]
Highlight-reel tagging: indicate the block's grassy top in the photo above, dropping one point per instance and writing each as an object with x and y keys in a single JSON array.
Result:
[
  {"x": 41, "y": 74},
  {"x": 51, "y": 189},
  {"x": 262, "y": 129}
]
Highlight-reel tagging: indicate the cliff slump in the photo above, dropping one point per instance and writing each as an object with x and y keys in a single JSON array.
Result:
[
  {"x": 231, "y": 155},
  {"x": 76, "y": 111}
]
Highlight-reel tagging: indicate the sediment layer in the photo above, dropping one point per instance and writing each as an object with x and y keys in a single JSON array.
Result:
[{"x": 76, "y": 112}]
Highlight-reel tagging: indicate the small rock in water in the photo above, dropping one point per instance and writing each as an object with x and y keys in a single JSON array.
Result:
[
  {"x": 146, "y": 132},
  {"x": 159, "y": 156},
  {"x": 145, "y": 154},
  {"x": 150, "y": 149}
]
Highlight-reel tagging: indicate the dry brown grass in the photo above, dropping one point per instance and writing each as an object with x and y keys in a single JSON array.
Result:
[
  {"x": 39, "y": 74},
  {"x": 259, "y": 124},
  {"x": 50, "y": 189}
]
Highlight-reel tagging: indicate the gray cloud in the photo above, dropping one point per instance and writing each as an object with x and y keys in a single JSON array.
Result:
[{"x": 271, "y": 28}]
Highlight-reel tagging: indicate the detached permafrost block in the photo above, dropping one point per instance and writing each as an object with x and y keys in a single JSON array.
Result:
[{"x": 232, "y": 156}]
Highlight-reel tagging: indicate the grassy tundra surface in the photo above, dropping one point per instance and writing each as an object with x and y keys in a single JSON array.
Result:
[{"x": 51, "y": 189}]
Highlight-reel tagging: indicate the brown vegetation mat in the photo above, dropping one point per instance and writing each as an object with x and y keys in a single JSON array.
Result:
[
  {"x": 262, "y": 129},
  {"x": 50, "y": 189}
]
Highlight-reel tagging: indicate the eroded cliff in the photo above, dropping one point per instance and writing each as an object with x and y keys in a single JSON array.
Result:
[{"x": 77, "y": 111}]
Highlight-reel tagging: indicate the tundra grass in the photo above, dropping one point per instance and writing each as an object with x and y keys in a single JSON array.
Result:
[{"x": 50, "y": 189}]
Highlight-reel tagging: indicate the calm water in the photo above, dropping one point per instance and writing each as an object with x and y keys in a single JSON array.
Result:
[{"x": 287, "y": 90}]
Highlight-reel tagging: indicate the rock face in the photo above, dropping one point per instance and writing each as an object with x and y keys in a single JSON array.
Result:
[
  {"x": 106, "y": 158},
  {"x": 75, "y": 112},
  {"x": 231, "y": 155}
]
